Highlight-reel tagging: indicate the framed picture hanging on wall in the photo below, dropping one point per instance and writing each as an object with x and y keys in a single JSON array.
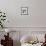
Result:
[{"x": 24, "y": 10}]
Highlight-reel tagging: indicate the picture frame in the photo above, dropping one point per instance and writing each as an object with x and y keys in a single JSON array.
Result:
[{"x": 24, "y": 10}]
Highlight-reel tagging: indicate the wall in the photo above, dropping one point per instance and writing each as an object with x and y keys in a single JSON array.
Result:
[
  {"x": 39, "y": 13},
  {"x": 36, "y": 17},
  {"x": 13, "y": 12}
]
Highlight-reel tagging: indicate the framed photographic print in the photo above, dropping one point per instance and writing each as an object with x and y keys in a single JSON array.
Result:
[{"x": 24, "y": 10}]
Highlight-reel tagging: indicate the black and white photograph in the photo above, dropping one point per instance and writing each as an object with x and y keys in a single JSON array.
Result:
[{"x": 24, "y": 10}]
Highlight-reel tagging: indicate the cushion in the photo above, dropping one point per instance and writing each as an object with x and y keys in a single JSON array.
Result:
[{"x": 26, "y": 39}]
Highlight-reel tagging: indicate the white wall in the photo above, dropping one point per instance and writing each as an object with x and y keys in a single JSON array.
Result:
[
  {"x": 36, "y": 17},
  {"x": 13, "y": 12},
  {"x": 39, "y": 13}
]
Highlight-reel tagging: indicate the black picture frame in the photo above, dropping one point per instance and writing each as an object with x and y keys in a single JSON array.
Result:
[{"x": 24, "y": 10}]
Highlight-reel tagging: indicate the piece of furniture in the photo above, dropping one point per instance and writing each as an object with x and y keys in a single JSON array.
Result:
[
  {"x": 8, "y": 41},
  {"x": 32, "y": 40},
  {"x": 27, "y": 44}
]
